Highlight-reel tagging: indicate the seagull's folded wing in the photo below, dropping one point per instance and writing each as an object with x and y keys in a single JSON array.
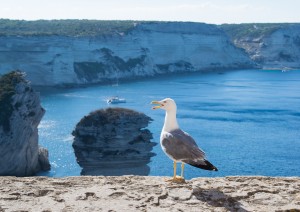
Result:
[{"x": 181, "y": 146}]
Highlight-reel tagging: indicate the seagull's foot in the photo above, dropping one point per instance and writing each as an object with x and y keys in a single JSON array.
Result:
[{"x": 176, "y": 179}]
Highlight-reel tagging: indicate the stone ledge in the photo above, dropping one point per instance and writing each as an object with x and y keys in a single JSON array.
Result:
[{"x": 139, "y": 193}]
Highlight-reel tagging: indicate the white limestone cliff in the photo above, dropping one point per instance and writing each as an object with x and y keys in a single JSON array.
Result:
[
  {"x": 277, "y": 50},
  {"x": 148, "y": 49}
]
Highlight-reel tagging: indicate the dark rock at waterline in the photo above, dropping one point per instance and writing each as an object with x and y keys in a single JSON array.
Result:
[
  {"x": 113, "y": 141},
  {"x": 20, "y": 115}
]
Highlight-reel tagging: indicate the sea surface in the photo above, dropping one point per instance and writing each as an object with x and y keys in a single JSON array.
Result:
[{"x": 247, "y": 121}]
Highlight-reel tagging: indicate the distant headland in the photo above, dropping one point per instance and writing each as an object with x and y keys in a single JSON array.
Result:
[{"x": 76, "y": 52}]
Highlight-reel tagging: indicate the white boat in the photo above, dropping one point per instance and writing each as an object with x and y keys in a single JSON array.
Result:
[
  {"x": 285, "y": 69},
  {"x": 116, "y": 100}
]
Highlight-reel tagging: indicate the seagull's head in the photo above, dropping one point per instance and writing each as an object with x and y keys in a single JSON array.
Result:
[{"x": 167, "y": 104}]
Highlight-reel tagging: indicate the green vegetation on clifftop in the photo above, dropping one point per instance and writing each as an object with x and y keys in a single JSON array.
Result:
[
  {"x": 8, "y": 83},
  {"x": 72, "y": 28},
  {"x": 79, "y": 28},
  {"x": 254, "y": 30}
]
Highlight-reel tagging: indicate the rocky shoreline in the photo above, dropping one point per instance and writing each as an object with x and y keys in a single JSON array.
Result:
[{"x": 140, "y": 193}]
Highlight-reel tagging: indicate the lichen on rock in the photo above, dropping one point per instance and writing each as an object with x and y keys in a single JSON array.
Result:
[
  {"x": 113, "y": 141},
  {"x": 20, "y": 114}
]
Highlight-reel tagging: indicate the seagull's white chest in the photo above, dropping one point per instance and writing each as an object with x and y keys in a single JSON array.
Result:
[
  {"x": 161, "y": 138},
  {"x": 170, "y": 125}
]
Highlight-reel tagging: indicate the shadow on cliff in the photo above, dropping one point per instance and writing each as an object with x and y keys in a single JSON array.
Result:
[{"x": 217, "y": 198}]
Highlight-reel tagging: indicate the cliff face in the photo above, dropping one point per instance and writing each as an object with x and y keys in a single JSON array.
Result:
[
  {"x": 21, "y": 113},
  {"x": 271, "y": 46},
  {"x": 113, "y": 141},
  {"x": 146, "y": 50}
]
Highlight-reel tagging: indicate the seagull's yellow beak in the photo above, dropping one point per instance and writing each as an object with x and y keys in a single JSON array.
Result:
[{"x": 158, "y": 105}]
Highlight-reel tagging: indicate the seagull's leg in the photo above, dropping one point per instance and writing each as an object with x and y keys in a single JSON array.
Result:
[
  {"x": 182, "y": 168},
  {"x": 177, "y": 179},
  {"x": 175, "y": 168}
]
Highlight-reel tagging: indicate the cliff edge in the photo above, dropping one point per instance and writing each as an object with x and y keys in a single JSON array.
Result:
[
  {"x": 139, "y": 193},
  {"x": 20, "y": 114}
]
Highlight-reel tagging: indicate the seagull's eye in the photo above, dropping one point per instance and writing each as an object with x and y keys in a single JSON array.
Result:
[{"x": 165, "y": 102}]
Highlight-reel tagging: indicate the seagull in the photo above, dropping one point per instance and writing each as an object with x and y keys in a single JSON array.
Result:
[{"x": 178, "y": 145}]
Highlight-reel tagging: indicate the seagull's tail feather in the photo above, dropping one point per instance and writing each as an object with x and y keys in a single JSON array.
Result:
[{"x": 202, "y": 164}]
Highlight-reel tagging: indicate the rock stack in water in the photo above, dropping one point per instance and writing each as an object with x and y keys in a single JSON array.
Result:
[
  {"x": 113, "y": 141},
  {"x": 20, "y": 114}
]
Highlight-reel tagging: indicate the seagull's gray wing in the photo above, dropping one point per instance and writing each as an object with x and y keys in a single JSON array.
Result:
[{"x": 181, "y": 146}]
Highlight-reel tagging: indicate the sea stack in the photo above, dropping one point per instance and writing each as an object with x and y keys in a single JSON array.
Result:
[
  {"x": 113, "y": 141},
  {"x": 20, "y": 115}
]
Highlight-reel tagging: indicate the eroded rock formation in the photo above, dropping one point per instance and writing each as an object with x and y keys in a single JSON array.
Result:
[
  {"x": 270, "y": 46},
  {"x": 113, "y": 141},
  {"x": 20, "y": 114}
]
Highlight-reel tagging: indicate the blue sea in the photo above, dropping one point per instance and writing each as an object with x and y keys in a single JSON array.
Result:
[{"x": 247, "y": 121}]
